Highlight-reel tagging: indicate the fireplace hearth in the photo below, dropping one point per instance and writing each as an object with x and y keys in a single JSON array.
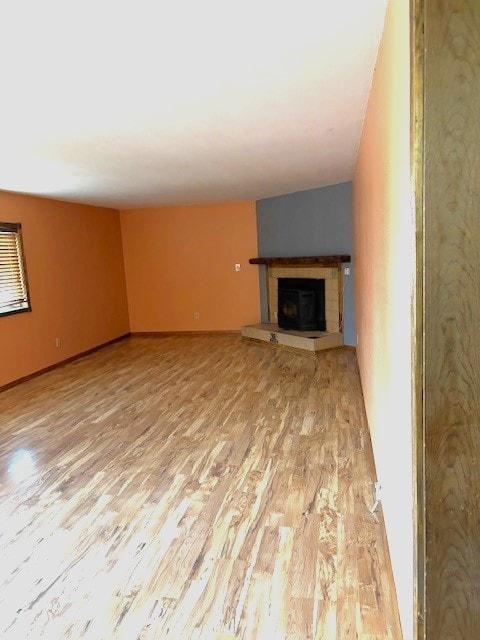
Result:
[{"x": 301, "y": 304}]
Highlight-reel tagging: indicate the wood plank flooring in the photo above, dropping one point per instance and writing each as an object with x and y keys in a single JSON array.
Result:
[{"x": 193, "y": 488}]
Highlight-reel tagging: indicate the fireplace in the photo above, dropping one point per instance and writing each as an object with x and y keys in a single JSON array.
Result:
[{"x": 301, "y": 304}]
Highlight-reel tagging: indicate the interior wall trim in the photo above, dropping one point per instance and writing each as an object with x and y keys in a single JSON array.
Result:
[
  {"x": 166, "y": 334},
  {"x": 61, "y": 363},
  {"x": 417, "y": 145}
]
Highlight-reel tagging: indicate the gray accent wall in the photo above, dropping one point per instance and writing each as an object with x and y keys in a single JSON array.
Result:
[{"x": 309, "y": 223}]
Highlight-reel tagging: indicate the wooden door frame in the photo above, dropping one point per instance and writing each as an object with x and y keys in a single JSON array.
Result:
[
  {"x": 417, "y": 70},
  {"x": 445, "y": 174}
]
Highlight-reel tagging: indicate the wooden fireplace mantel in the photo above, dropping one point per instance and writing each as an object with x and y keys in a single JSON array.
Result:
[{"x": 320, "y": 261}]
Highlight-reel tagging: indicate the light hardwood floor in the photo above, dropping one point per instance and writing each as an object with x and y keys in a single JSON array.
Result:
[{"x": 191, "y": 488}]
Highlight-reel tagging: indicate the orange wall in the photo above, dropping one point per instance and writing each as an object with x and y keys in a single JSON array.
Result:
[
  {"x": 384, "y": 259},
  {"x": 179, "y": 260},
  {"x": 76, "y": 281}
]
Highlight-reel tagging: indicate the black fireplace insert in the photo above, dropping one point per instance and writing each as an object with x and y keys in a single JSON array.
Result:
[{"x": 301, "y": 304}]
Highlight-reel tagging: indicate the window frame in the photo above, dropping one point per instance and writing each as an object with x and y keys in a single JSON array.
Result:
[{"x": 16, "y": 227}]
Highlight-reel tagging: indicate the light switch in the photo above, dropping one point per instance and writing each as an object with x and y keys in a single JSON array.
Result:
[{"x": 237, "y": 267}]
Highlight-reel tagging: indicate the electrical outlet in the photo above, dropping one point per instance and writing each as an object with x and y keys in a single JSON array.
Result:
[
  {"x": 237, "y": 267},
  {"x": 346, "y": 271},
  {"x": 196, "y": 315}
]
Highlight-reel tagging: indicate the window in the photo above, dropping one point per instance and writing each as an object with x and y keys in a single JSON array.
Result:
[{"x": 13, "y": 279}]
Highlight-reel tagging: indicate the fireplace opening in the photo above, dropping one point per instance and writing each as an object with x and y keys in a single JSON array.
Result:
[{"x": 301, "y": 304}]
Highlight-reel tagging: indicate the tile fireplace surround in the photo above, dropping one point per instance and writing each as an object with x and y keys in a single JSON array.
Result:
[
  {"x": 332, "y": 279},
  {"x": 328, "y": 268}
]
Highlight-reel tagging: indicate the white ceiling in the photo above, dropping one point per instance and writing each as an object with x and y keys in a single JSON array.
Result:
[{"x": 140, "y": 103}]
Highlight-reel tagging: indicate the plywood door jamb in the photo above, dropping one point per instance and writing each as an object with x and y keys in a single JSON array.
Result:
[{"x": 417, "y": 66}]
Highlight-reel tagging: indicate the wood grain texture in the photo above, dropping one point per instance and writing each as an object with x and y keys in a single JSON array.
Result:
[
  {"x": 319, "y": 261},
  {"x": 417, "y": 138},
  {"x": 194, "y": 487},
  {"x": 452, "y": 318}
]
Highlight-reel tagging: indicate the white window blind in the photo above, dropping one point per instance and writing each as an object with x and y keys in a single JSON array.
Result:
[{"x": 13, "y": 282}]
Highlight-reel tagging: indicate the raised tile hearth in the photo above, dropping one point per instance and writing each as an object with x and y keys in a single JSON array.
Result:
[{"x": 311, "y": 341}]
